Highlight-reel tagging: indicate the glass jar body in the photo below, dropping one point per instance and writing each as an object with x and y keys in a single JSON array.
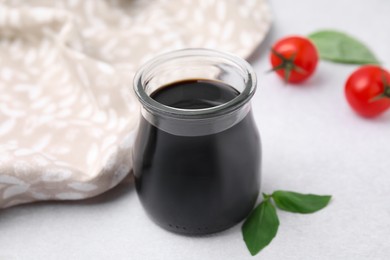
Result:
[{"x": 198, "y": 184}]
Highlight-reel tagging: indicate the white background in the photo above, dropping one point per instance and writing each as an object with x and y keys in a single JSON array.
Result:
[{"x": 312, "y": 142}]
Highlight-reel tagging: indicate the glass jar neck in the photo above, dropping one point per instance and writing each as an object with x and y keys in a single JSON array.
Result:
[
  {"x": 196, "y": 127},
  {"x": 189, "y": 64}
]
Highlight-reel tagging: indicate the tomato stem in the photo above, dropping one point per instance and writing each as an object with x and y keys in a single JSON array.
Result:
[
  {"x": 386, "y": 85},
  {"x": 287, "y": 65},
  {"x": 386, "y": 89}
]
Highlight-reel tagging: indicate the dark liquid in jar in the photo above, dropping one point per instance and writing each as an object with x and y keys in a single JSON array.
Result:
[{"x": 197, "y": 184}]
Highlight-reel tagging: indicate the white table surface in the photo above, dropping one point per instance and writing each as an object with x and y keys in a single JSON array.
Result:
[{"x": 312, "y": 142}]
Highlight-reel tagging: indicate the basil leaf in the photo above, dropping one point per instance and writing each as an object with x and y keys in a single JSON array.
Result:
[
  {"x": 342, "y": 48},
  {"x": 260, "y": 227},
  {"x": 299, "y": 203}
]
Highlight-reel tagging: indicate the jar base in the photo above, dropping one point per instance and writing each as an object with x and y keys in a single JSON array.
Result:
[{"x": 193, "y": 232}]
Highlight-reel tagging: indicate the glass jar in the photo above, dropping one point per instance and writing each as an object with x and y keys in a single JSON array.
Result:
[{"x": 197, "y": 170}]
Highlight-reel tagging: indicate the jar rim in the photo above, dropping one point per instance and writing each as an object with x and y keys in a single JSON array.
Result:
[{"x": 225, "y": 108}]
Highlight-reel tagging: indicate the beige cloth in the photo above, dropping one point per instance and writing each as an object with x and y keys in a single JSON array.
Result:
[{"x": 67, "y": 113}]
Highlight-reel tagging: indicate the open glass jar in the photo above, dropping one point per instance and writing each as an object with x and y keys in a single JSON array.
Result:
[{"x": 197, "y": 154}]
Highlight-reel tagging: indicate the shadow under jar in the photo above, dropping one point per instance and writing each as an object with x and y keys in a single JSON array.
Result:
[{"x": 197, "y": 153}]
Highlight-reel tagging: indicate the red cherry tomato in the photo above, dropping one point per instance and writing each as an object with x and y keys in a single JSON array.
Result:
[
  {"x": 368, "y": 90},
  {"x": 294, "y": 58}
]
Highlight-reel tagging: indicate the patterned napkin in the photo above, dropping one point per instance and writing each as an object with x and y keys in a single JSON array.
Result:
[{"x": 67, "y": 112}]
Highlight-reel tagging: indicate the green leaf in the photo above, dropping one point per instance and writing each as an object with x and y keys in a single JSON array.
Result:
[
  {"x": 342, "y": 48},
  {"x": 300, "y": 203},
  {"x": 260, "y": 227}
]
